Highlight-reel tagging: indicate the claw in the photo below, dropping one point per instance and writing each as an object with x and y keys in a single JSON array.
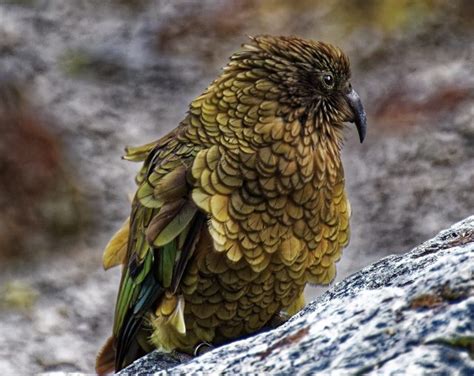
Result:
[
  {"x": 202, "y": 348},
  {"x": 278, "y": 319}
]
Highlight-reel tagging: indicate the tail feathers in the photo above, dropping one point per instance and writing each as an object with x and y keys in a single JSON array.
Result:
[{"x": 105, "y": 362}]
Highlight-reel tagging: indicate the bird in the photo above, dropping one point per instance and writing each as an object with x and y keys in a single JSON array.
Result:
[{"x": 240, "y": 206}]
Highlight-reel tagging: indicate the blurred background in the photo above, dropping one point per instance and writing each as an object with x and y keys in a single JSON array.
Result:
[{"x": 81, "y": 79}]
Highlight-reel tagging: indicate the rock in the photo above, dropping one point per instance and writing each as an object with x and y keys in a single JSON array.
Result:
[{"x": 405, "y": 314}]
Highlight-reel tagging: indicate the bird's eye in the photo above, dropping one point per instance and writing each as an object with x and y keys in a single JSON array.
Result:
[{"x": 328, "y": 80}]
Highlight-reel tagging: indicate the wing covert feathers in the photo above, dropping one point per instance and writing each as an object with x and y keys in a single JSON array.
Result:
[{"x": 159, "y": 242}]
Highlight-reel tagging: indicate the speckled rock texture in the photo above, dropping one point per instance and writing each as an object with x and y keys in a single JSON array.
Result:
[{"x": 408, "y": 314}]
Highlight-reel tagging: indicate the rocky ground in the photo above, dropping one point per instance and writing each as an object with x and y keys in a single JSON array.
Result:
[{"x": 99, "y": 76}]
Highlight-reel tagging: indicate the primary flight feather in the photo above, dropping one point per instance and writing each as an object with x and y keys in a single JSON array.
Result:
[{"x": 240, "y": 206}]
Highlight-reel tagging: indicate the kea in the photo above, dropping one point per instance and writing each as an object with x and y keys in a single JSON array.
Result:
[{"x": 239, "y": 207}]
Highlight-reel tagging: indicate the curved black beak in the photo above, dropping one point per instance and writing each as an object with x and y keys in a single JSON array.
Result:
[{"x": 360, "y": 118}]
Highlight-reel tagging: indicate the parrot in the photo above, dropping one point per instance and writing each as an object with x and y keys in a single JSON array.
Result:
[{"x": 239, "y": 207}]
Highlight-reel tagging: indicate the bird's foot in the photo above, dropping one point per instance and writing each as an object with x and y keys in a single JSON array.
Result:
[
  {"x": 202, "y": 348},
  {"x": 278, "y": 319}
]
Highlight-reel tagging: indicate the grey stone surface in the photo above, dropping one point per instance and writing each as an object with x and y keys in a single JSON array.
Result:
[{"x": 406, "y": 314}]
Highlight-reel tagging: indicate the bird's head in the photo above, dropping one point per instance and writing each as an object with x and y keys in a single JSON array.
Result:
[{"x": 309, "y": 79}]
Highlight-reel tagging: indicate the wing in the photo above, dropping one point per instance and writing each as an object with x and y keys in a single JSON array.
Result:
[{"x": 164, "y": 228}]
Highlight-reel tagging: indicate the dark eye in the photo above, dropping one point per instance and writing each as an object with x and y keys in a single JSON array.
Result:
[{"x": 328, "y": 80}]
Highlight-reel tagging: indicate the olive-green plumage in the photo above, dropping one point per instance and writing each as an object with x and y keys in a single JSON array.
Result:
[{"x": 240, "y": 206}]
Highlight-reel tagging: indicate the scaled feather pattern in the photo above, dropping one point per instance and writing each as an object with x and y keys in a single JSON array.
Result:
[{"x": 238, "y": 208}]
